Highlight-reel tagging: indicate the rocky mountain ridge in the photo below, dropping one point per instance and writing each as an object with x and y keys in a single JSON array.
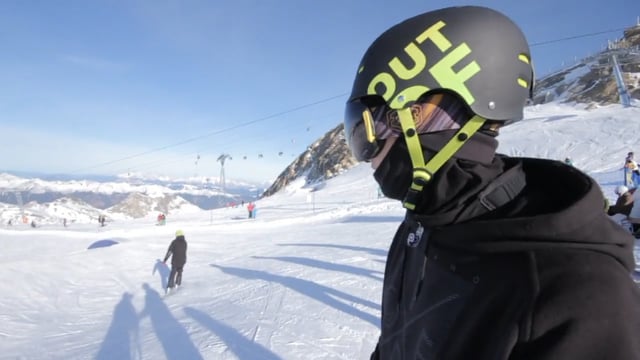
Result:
[
  {"x": 324, "y": 159},
  {"x": 591, "y": 80}
]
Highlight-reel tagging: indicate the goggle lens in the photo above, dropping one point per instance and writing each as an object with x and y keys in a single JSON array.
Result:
[{"x": 360, "y": 129}]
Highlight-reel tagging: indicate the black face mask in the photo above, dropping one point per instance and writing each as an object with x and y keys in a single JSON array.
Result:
[
  {"x": 395, "y": 172},
  {"x": 451, "y": 184}
]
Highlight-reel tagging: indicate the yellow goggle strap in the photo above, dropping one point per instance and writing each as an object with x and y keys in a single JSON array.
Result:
[{"x": 423, "y": 172}]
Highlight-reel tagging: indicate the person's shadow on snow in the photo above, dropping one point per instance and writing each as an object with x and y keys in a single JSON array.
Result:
[
  {"x": 238, "y": 343},
  {"x": 163, "y": 270},
  {"x": 174, "y": 338},
  {"x": 121, "y": 341},
  {"x": 322, "y": 293}
]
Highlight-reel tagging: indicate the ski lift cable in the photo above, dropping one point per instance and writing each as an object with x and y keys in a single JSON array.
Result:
[
  {"x": 187, "y": 157},
  {"x": 180, "y": 158},
  {"x": 257, "y": 138},
  {"x": 189, "y": 140},
  {"x": 546, "y": 42}
]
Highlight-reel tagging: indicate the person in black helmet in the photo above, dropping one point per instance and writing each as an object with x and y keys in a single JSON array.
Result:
[
  {"x": 178, "y": 252},
  {"x": 497, "y": 257}
]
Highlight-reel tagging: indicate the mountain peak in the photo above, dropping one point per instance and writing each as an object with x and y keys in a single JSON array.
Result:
[{"x": 324, "y": 159}]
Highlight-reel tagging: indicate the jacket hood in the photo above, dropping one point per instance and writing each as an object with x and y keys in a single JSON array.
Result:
[{"x": 560, "y": 207}]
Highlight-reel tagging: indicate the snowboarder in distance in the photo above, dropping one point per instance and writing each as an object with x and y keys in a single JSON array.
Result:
[
  {"x": 178, "y": 253},
  {"x": 568, "y": 161}
]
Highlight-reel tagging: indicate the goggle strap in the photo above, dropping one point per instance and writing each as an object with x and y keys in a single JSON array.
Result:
[
  {"x": 411, "y": 137},
  {"x": 455, "y": 143},
  {"x": 422, "y": 173}
]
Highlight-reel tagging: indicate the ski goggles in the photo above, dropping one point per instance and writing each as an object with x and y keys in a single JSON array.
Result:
[
  {"x": 369, "y": 120},
  {"x": 367, "y": 123}
]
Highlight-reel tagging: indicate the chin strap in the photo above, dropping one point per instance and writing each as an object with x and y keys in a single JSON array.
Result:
[{"x": 423, "y": 172}]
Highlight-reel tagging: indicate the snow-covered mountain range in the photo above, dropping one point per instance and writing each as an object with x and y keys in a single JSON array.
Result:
[{"x": 52, "y": 201}]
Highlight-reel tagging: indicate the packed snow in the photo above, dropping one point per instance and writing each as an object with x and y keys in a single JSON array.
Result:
[{"x": 302, "y": 280}]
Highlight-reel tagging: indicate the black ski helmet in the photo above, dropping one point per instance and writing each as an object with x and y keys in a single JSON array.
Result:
[{"x": 475, "y": 52}]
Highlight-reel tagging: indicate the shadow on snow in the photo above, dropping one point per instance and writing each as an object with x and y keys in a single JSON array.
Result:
[
  {"x": 242, "y": 347},
  {"x": 163, "y": 271},
  {"x": 121, "y": 341},
  {"x": 321, "y": 293},
  {"x": 372, "y": 251},
  {"x": 325, "y": 265},
  {"x": 171, "y": 334},
  {"x": 372, "y": 219},
  {"x": 102, "y": 243}
]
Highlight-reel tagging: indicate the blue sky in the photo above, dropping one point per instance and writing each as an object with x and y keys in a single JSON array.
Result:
[{"x": 165, "y": 87}]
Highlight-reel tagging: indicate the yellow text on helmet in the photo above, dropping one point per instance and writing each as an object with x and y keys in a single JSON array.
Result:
[{"x": 442, "y": 71}]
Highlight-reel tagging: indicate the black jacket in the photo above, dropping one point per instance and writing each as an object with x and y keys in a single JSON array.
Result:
[
  {"x": 546, "y": 276},
  {"x": 178, "y": 251}
]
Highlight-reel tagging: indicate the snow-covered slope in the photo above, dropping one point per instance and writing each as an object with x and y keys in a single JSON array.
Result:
[{"x": 596, "y": 140}]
